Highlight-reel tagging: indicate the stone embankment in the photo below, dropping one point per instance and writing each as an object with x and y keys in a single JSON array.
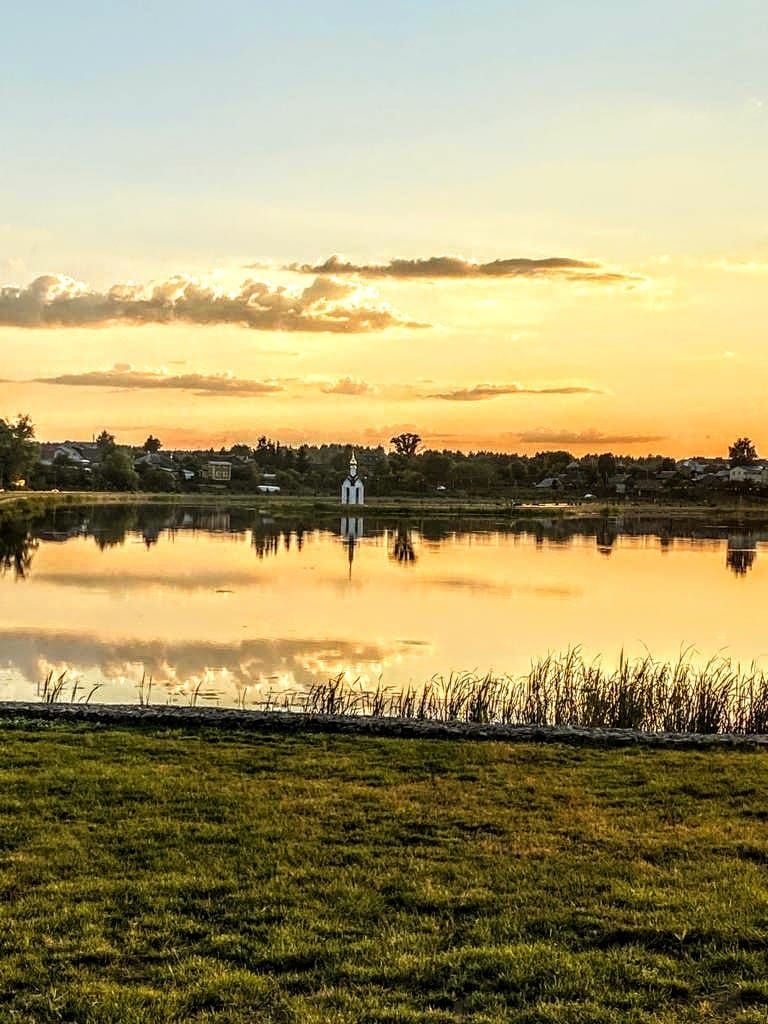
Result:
[{"x": 295, "y": 723}]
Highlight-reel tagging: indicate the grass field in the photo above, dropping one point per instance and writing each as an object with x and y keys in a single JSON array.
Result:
[{"x": 154, "y": 877}]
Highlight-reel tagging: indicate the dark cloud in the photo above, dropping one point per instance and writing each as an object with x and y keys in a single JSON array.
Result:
[
  {"x": 199, "y": 384},
  {"x": 324, "y": 306},
  {"x": 436, "y": 267},
  {"x": 347, "y": 386},
  {"x": 584, "y": 437},
  {"x": 482, "y": 392}
]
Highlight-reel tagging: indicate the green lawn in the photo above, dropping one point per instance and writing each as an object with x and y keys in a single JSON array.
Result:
[{"x": 156, "y": 877}]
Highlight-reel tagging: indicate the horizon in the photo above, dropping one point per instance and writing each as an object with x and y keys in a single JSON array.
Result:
[
  {"x": 563, "y": 246},
  {"x": 386, "y": 446}
]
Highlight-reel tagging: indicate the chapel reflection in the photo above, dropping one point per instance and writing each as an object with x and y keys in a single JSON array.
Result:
[{"x": 351, "y": 532}]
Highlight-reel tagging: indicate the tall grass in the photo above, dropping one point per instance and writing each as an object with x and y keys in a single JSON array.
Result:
[
  {"x": 55, "y": 689},
  {"x": 567, "y": 689}
]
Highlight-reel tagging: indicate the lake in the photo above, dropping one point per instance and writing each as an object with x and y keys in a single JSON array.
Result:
[{"x": 227, "y": 602}]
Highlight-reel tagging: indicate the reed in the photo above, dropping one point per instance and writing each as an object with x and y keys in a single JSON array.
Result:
[
  {"x": 144, "y": 690},
  {"x": 52, "y": 690},
  {"x": 567, "y": 689}
]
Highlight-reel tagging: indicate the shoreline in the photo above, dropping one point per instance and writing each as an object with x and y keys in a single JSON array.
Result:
[
  {"x": 293, "y": 723},
  {"x": 39, "y": 502}
]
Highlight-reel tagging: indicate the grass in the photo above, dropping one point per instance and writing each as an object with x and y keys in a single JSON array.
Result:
[
  {"x": 150, "y": 877},
  {"x": 733, "y": 508}
]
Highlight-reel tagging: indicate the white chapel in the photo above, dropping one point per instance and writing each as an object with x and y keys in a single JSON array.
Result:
[{"x": 352, "y": 490}]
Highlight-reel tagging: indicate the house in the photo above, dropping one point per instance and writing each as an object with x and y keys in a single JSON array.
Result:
[
  {"x": 154, "y": 460},
  {"x": 756, "y": 474},
  {"x": 217, "y": 471},
  {"x": 549, "y": 483}
]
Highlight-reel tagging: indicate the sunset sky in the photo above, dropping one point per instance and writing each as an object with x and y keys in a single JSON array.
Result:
[{"x": 507, "y": 225}]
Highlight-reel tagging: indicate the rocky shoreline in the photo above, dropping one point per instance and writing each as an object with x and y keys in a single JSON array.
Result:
[{"x": 295, "y": 723}]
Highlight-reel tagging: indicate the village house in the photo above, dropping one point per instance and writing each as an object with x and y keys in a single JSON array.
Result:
[
  {"x": 217, "y": 471},
  {"x": 756, "y": 473}
]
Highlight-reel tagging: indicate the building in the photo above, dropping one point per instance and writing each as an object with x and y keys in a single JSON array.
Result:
[
  {"x": 756, "y": 473},
  {"x": 217, "y": 471},
  {"x": 352, "y": 490}
]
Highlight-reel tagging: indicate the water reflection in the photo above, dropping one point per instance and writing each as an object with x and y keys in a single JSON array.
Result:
[
  {"x": 741, "y": 552},
  {"x": 17, "y": 547},
  {"x": 402, "y": 546},
  {"x": 110, "y": 526},
  {"x": 228, "y": 600},
  {"x": 351, "y": 532}
]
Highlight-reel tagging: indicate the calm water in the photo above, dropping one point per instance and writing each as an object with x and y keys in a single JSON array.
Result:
[{"x": 223, "y": 600}]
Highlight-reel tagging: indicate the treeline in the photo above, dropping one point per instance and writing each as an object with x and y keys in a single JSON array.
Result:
[
  {"x": 315, "y": 469},
  {"x": 320, "y": 468}
]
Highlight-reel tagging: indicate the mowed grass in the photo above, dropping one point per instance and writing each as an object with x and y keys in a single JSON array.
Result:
[{"x": 154, "y": 877}]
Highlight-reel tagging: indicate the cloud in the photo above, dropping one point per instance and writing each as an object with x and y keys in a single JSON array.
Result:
[
  {"x": 456, "y": 267},
  {"x": 743, "y": 266},
  {"x": 348, "y": 386},
  {"x": 324, "y": 306},
  {"x": 583, "y": 437},
  {"x": 124, "y": 377},
  {"x": 175, "y": 663},
  {"x": 482, "y": 392}
]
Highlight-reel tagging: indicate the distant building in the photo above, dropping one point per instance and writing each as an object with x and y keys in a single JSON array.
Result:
[
  {"x": 756, "y": 473},
  {"x": 352, "y": 490},
  {"x": 217, "y": 471}
]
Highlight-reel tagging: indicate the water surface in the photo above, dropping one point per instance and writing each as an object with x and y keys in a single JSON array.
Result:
[{"x": 233, "y": 602}]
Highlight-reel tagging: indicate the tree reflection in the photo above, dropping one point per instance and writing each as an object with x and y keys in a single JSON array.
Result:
[
  {"x": 402, "y": 547},
  {"x": 17, "y": 547},
  {"x": 606, "y": 535},
  {"x": 740, "y": 553}
]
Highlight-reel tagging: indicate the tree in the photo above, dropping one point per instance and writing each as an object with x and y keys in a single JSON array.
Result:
[
  {"x": 405, "y": 444},
  {"x": 158, "y": 481},
  {"x": 105, "y": 443},
  {"x": 17, "y": 450},
  {"x": 116, "y": 472},
  {"x": 742, "y": 452},
  {"x": 606, "y": 466},
  {"x": 151, "y": 445}
]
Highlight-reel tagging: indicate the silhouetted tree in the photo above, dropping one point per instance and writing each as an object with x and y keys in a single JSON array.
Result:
[
  {"x": 405, "y": 444},
  {"x": 742, "y": 452},
  {"x": 606, "y": 466},
  {"x": 105, "y": 443},
  {"x": 152, "y": 445}
]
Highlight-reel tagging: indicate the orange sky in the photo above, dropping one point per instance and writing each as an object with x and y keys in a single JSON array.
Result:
[
  {"x": 668, "y": 357},
  {"x": 164, "y": 243}
]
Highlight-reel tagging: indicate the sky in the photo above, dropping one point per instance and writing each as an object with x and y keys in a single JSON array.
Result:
[{"x": 507, "y": 226}]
